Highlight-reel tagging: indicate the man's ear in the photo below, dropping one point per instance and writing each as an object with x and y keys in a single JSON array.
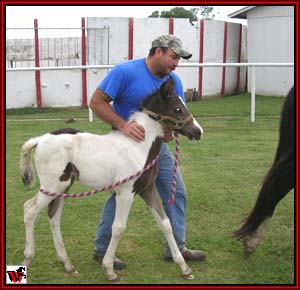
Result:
[
  {"x": 159, "y": 51},
  {"x": 167, "y": 88}
]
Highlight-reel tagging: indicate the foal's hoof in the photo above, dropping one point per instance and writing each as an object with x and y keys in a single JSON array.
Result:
[
  {"x": 71, "y": 270},
  {"x": 113, "y": 278},
  {"x": 75, "y": 272},
  {"x": 188, "y": 276}
]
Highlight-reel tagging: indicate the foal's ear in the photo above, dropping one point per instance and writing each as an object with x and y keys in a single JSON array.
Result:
[{"x": 167, "y": 88}]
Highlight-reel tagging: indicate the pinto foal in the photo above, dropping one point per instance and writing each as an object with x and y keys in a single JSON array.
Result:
[{"x": 66, "y": 155}]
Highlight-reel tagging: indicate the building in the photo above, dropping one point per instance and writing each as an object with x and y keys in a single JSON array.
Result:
[{"x": 270, "y": 38}]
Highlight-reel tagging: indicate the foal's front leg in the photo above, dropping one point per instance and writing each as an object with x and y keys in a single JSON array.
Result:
[
  {"x": 153, "y": 200},
  {"x": 124, "y": 199}
]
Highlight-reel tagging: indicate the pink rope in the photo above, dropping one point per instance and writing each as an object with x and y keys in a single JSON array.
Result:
[
  {"x": 118, "y": 183},
  {"x": 174, "y": 181},
  {"x": 104, "y": 188}
]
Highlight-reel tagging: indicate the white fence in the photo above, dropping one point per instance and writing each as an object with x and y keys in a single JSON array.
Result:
[{"x": 187, "y": 65}]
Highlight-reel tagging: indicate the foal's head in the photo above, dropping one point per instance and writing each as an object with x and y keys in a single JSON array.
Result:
[{"x": 167, "y": 108}]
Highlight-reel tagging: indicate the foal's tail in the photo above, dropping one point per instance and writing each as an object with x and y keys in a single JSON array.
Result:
[{"x": 26, "y": 167}]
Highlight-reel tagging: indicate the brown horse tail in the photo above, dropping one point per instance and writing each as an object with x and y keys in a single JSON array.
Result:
[
  {"x": 280, "y": 178},
  {"x": 278, "y": 182},
  {"x": 26, "y": 167}
]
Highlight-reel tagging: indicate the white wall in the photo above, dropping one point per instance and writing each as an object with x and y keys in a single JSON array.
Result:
[
  {"x": 20, "y": 89},
  {"x": 58, "y": 89},
  {"x": 147, "y": 29},
  {"x": 53, "y": 52},
  {"x": 61, "y": 88},
  {"x": 213, "y": 52},
  {"x": 107, "y": 43},
  {"x": 271, "y": 39},
  {"x": 113, "y": 45},
  {"x": 189, "y": 35}
]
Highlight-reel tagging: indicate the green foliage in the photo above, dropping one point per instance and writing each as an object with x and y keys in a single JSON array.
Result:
[
  {"x": 223, "y": 173},
  {"x": 205, "y": 11},
  {"x": 180, "y": 12}
]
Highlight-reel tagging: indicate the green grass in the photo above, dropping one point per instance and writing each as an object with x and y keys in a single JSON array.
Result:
[{"x": 223, "y": 173}]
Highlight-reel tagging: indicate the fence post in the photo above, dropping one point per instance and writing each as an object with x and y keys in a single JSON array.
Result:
[
  {"x": 37, "y": 64},
  {"x": 171, "y": 25},
  {"x": 201, "y": 45},
  {"x": 253, "y": 94},
  {"x": 239, "y": 59},
  {"x": 130, "y": 38},
  {"x": 224, "y": 60},
  {"x": 83, "y": 62}
]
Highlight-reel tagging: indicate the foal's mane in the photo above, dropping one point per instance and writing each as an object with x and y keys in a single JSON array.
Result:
[
  {"x": 148, "y": 99},
  {"x": 163, "y": 91}
]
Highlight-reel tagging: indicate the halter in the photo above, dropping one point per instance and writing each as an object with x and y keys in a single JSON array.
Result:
[{"x": 178, "y": 124}]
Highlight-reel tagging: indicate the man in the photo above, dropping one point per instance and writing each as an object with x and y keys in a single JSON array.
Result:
[{"x": 127, "y": 84}]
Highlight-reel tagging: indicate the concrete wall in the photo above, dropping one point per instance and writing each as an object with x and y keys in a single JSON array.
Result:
[
  {"x": 53, "y": 52},
  {"x": 271, "y": 39},
  {"x": 147, "y": 29},
  {"x": 108, "y": 43},
  {"x": 20, "y": 89},
  {"x": 58, "y": 89}
]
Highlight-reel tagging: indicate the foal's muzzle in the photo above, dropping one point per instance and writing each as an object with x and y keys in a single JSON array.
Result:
[{"x": 192, "y": 130}]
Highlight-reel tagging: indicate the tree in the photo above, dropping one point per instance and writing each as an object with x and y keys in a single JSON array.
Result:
[
  {"x": 180, "y": 12},
  {"x": 205, "y": 11}
]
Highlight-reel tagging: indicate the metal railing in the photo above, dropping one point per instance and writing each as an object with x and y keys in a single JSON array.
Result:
[
  {"x": 60, "y": 46},
  {"x": 251, "y": 65}
]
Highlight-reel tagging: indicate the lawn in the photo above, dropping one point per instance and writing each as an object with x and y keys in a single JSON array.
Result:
[{"x": 223, "y": 173}]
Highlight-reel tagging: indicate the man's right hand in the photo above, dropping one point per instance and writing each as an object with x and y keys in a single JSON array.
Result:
[
  {"x": 133, "y": 130},
  {"x": 100, "y": 105}
]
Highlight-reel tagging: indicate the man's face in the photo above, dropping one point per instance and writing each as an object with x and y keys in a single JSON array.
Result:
[{"x": 166, "y": 62}]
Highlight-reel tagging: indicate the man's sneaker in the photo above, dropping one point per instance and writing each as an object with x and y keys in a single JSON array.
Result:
[
  {"x": 118, "y": 264},
  {"x": 189, "y": 255}
]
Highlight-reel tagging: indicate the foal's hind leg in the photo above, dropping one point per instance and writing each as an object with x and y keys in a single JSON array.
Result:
[
  {"x": 54, "y": 213},
  {"x": 124, "y": 200},
  {"x": 32, "y": 208},
  {"x": 153, "y": 200}
]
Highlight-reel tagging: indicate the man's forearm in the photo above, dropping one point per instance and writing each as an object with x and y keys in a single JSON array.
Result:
[
  {"x": 100, "y": 105},
  {"x": 106, "y": 114}
]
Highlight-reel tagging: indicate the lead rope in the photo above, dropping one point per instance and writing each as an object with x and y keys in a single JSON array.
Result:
[
  {"x": 174, "y": 179},
  {"x": 118, "y": 183},
  {"x": 104, "y": 188}
]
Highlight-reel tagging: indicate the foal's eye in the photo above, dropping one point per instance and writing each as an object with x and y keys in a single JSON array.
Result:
[{"x": 177, "y": 110}]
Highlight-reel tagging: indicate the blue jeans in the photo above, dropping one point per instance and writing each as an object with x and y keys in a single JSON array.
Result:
[{"x": 175, "y": 212}]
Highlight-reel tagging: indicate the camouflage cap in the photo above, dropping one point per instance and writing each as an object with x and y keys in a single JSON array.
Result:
[{"x": 172, "y": 42}]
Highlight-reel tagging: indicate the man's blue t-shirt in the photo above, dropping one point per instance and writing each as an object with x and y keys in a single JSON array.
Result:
[{"x": 129, "y": 83}]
